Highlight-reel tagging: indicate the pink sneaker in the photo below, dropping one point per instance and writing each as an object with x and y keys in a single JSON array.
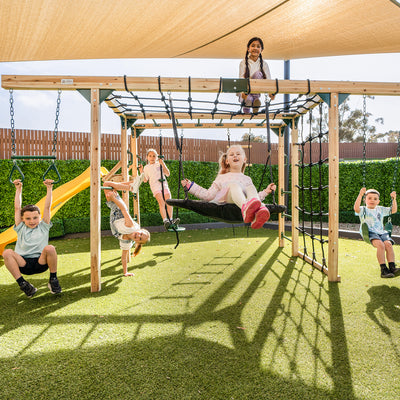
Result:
[
  {"x": 249, "y": 209},
  {"x": 262, "y": 216}
]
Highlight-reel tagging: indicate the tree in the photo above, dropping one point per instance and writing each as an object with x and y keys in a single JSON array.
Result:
[
  {"x": 250, "y": 137},
  {"x": 351, "y": 123}
]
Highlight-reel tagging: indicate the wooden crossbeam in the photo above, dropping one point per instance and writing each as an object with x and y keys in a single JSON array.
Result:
[{"x": 212, "y": 85}]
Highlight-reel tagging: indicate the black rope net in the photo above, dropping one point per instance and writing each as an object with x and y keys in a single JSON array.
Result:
[
  {"x": 144, "y": 105},
  {"x": 313, "y": 187}
]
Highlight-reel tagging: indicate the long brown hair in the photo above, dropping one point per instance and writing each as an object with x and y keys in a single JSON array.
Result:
[{"x": 247, "y": 70}]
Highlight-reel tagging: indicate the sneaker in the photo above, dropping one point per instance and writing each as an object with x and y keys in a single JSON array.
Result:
[
  {"x": 256, "y": 105},
  {"x": 28, "y": 289},
  {"x": 262, "y": 216},
  {"x": 249, "y": 209},
  {"x": 385, "y": 273},
  {"x": 176, "y": 221},
  {"x": 276, "y": 208},
  {"x": 167, "y": 224},
  {"x": 54, "y": 286},
  {"x": 246, "y": 110},
  {"x": 395, "y": 271}
]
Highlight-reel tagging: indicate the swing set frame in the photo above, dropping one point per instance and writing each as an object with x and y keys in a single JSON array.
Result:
[{"x": 99, "y": 87}]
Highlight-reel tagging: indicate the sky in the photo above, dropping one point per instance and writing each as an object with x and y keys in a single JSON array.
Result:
[{"x": 36, "y": 109}]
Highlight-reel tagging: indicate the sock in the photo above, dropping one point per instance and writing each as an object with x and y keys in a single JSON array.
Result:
[
  {"x": 53, "y": 275},
  {"x": 383, "y": 266},
  {"x": 165, "y": 219},
  {"x": 20, "y": 280},
  {"x": 391, "y": 265}
]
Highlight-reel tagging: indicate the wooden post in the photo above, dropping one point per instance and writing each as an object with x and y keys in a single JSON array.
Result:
[
  {"x": 134, "y": 173},
  {"x": 294, "y": 160},
  {"x": 281, "y": 184},
  {"x": 333, "y": 237},
  {"x": 95, "y": 208},
  {"x": 124, "y": 159}
]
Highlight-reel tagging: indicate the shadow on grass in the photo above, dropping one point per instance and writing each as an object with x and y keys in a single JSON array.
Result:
[
  {"x": 385, "y": 300},
  {"x": 178, "y": 365}
]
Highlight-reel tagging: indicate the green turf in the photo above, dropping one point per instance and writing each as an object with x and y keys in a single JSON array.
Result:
[{"x": 220, "y": 317}]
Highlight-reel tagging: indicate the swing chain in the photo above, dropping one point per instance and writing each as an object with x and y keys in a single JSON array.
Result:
[
  {"x": 56, "y": 122},
  {"x": 13, "y": 149},
  {"x": 364, "y": 127}
]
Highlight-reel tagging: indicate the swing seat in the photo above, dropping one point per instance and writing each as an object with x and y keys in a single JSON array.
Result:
[
  {"x": 176, "y": 228},
  {"x": 389, "y": 228},
  {"x": 230, "y": 213},
  {"x": 365, "y": 232}
]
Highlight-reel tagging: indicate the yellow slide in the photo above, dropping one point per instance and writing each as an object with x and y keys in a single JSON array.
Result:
[{"x": 60, "y": 196}]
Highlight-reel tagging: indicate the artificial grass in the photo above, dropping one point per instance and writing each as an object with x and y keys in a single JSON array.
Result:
[{"x": 220, "y": 317}]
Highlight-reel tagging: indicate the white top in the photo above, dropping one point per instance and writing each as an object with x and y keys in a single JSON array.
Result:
[
  {"x": 254, "y": 66},
  {"x": 125, "y": 230},
  {"x": 152, "y": 174},
  {"x": 218, "y": 191},
  {"x": 374, "y": 218}
]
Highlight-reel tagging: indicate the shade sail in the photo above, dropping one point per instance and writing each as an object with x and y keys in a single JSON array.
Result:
[{"x": 91, "y": 29}]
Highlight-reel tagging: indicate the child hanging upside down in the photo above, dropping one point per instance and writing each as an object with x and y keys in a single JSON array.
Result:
[
  {"x": 124, "y": 228},
  {"x": 232, "y": 186}
]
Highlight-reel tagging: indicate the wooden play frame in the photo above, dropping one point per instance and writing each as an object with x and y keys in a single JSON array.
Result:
[{"x": 95, "y": 85}]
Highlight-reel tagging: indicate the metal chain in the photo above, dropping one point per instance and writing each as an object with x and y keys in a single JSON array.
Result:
[
  {"x": 364, "y": 137},
  {"x": 12, "y": 122},
  {"x": 56, "y": 123}
]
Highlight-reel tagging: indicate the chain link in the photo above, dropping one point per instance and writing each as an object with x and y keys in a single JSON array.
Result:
[
  {"x": 56, "y": 123},
  {"x": 12, "y": 122}
]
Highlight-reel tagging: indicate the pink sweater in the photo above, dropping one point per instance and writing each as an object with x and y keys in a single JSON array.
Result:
[{"x": 218, "y": 191}]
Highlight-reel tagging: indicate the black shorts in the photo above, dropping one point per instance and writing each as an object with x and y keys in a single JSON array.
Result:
[{"x": 32, "y": 266}]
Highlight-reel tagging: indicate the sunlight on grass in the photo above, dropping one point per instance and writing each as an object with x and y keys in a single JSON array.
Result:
[{"x": 220, "y": 317}]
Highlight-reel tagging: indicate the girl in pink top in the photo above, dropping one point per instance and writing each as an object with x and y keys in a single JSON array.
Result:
[{"x": 232, "y": 186}]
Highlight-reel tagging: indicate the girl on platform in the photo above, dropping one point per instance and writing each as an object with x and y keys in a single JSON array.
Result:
[{"x": 254, "y": 67}]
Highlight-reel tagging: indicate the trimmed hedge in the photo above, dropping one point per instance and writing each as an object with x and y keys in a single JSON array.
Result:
[{"x": 74, "y": 216}]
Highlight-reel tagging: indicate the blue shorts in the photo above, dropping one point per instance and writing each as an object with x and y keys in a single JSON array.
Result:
[
  {"x": 32, "y": 266},
  {"x": 384, "y": 237}
]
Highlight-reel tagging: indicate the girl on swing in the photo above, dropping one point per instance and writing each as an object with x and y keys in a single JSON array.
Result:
[
  {"x": 232, "y": 186},
  {"x": 152, "y": 174}
]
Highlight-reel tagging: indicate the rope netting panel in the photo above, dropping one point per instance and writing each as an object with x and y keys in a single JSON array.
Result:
[
  {"x": 313, "y": 188},
  {"x": 226, "y": 105}
]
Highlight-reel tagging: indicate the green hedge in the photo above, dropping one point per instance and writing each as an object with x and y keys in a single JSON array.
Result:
[{"x": 74, "y": 216}]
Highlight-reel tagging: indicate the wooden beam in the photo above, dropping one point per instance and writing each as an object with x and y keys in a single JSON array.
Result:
[
  {"x": 294, "y": 161},
  {"x": 333, "y": 231},
  {"x": 95, "y": 206},
  {"x": 124, "y": 159},
  {"x": 212, "y": 85},
  {"x": 281, "y": 184}
]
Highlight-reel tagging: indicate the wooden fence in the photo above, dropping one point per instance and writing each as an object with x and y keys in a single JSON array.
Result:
[{"x": 76, "y": 146}]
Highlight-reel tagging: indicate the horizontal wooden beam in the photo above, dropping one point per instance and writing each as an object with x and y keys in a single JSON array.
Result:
[{"x": 143, "y": 84}]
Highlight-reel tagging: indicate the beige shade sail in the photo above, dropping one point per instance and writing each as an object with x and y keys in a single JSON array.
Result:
[{"x": 92, "y": 29}]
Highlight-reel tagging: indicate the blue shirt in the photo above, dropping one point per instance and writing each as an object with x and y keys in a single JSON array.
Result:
[
  {"x": 374, "y": 218},
  {"x": 32, "y": 241}
]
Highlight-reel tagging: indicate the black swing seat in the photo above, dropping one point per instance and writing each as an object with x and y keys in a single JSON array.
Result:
[{"x": 230, "y": 213}]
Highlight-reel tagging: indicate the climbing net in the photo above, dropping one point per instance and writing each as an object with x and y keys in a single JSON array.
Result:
[
  {"x": 313, "y": 189},
  {"x": 156, "y": 105}
]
